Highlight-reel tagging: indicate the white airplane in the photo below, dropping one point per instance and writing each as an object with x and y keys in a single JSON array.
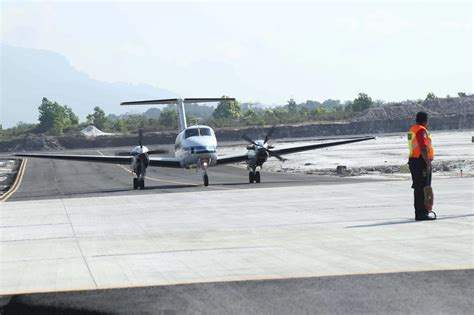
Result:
[{"x": 195, "y": 147}]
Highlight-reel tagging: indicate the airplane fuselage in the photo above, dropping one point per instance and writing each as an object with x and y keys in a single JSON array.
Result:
[{"x": 196, "y": 146}]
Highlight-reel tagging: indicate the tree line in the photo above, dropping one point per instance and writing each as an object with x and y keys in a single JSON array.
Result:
[{"x": 58, "y": 119}]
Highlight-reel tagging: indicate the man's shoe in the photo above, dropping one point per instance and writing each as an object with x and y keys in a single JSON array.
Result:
[{"x": 425, "y": 218}]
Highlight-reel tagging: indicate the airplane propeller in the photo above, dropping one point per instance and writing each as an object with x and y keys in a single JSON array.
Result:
[
  {"x": 269, "y": 134},
  {"x": 266, "y": 149}
]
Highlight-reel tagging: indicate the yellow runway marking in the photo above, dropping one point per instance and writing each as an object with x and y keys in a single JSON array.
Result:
[
  {"x": 16, "y": 184},
  {"x": 166, "y": 181}
]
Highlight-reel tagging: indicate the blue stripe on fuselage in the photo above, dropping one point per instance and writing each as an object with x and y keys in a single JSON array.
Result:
[{"x": 200, "y": 149}]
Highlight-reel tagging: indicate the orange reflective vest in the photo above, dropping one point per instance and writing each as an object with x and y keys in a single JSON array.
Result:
[{"x": 414, "y": 146}]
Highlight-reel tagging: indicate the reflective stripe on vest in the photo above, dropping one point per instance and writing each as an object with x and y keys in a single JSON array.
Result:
[{"x": 413, "y": 145}]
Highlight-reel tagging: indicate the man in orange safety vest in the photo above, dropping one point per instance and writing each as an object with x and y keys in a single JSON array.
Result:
[{"x": 421, "y": 155}]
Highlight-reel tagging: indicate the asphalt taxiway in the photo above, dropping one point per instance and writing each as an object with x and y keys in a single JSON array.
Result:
[
  {"x": 52, "y": 179},
  {"x": 292, "y": 244}
]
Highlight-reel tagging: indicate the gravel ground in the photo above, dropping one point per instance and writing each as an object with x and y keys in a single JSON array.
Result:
[{"x": 386, "y": 157}]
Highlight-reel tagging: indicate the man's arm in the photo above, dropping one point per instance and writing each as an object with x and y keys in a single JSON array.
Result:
[
  {"x": 424, "y": 154},
  {"x": 421, "y": 137}
]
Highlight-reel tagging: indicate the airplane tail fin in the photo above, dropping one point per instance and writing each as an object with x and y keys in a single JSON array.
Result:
[{"x": 180, "y": 102}]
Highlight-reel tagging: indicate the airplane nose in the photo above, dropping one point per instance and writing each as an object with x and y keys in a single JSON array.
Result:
[{"x": 202, "y": 146}]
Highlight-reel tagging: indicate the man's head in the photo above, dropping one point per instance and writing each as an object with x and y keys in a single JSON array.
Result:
[{"x": 422, "y": 118}]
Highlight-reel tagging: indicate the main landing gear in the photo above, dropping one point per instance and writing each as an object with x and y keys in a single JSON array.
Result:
[
  {"x": 254, "y": 176},
  {"x": 138, "y": 183}
]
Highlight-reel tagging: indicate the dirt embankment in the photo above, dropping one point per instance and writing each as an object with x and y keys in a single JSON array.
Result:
[{"x": 445, "y": 114}]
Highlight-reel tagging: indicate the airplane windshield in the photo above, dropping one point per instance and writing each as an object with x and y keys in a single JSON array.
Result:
[
  {"x": 205, "y": 131},
  {"x": 191, "y": 133},
  {"x": 195, "y": 132}
]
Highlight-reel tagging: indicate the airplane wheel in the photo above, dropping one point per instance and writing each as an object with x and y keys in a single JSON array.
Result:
[
  {"x": 251, "y": 177},
  {"x": 135, "y": 183},
  {"x": 206, "y": 180},
  {"x": 257, "y": 177},
  {"x": 142, "y": 184}
]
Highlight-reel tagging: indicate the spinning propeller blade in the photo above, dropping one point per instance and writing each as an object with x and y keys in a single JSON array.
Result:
[
  {"x": 275, "y": 155},
  {"x": 257, "y": 146},
  {"x": 269, "y": 134},
  {"x": 247, "y": 138},
  {"x": 140, "y": 138}
]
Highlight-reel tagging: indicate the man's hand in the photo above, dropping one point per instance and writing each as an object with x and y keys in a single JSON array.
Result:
[{"x": 424, "y": 154}]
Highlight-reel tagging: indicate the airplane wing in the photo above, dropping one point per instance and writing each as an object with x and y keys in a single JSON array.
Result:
[
  {"x": 154, "y": 161},
  {"x": 228, "y": 159},
  {"x": 243, "y": 157},
  {"x": 318, "y": 146},
  {"x": 165, "y": 162}
]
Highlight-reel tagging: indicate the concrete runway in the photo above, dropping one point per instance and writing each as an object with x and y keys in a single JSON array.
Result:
[
  {"x": 162, "y": 259},
  {"x": 53, "y": 179}
]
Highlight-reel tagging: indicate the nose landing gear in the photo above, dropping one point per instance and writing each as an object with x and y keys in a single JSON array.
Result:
[
  {"x": 254, "y": 176},
  {"x": 205, "y": 178}
]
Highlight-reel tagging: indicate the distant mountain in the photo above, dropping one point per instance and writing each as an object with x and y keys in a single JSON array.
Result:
[{"x": 28, "y": 75}]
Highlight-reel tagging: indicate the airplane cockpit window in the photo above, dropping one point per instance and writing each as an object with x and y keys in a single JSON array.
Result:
[
  {"x": 197, "y": 132},
  {"x": 205, "y": 131},
  {"x": 191, "y": 133}
]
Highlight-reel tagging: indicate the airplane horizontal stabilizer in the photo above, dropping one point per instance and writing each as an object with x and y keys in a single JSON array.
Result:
[
  {"x": 151, "y": 102},
  {"x": 175, "y": 100},
  {"x": 207, "y": 100}
]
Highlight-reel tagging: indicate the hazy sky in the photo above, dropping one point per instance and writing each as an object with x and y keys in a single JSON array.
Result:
[{"x": 265, "y": 51}]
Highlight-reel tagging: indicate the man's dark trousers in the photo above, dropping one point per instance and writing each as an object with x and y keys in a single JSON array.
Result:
[{"x": 420, "y": 180}]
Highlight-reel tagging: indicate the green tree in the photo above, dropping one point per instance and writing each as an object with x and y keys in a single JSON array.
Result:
[
  {"x": 292, "y": 107},
  {"x": 269, "y": 117},
  {"x": 430, "y": 96},
  {"x": 47, "y": 113},
  {"x": 135, "y": 122},
  {"x": 330, "y": 103},
  {"x": 348, "y": 106},
  {"x": 311, "y": 104},
  {"x": 192, "y": 120},
  {"x": 98, "y": 118},
  {"x": 152, "y": 113},
  {"x": 71, "y": 118},
  {"x": 119, "y": 125},
  {"x": 227, "y": 109},
  {"x": 252, "y": 117},
  {"x": 54, "y": 117},
  {"x": 281, "y": 114},
  {"x": 21, "y": 128},
  {"x": 168, "y": 118},
  {"x": 362, "y": 102},
  {"x": 305, "y": 113}
]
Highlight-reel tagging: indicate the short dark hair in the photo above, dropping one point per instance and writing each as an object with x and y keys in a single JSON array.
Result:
[{"x": 421, "y": 117}]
